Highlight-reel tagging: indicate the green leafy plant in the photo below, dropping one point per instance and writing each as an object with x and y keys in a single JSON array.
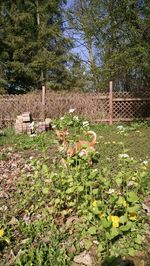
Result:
[
  {"x": 58, "y": 212},
  {"x": 70, "y": 120}
]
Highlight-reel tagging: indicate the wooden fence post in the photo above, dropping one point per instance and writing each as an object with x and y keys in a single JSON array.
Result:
[
  {"x": 110, "y": 102},
  {"x": 43, "y": 102}
]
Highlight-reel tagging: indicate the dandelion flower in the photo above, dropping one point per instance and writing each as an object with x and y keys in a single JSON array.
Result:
[
  {"x": 124, "y": 203},
  {"x": 94, "y": 204},
  {"x": 133, "y": 216},
  {"x": 1, "y": 232},
  {"x": 101, "y": 215},
  {"x": 144, "y": 167},
  {"x": 115, "y": 220}
]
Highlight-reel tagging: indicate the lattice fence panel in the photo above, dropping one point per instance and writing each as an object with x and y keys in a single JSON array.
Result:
[
  {"x": 131, "y": 109},
  {"x": 132, "y": 94},
  {"x": 93, "y": 106}
]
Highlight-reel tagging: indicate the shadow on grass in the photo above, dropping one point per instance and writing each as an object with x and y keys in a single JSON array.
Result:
[{"x": 119, "y": 261}]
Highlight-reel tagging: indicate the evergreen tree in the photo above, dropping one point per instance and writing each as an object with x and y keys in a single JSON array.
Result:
[{"x": 33, "y": 47}]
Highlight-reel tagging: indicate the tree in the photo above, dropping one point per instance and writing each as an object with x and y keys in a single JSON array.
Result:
[
  {"x": 118, "y": 33},
  {"x": 79, "y": 24},
  {"x": 33, "y": 47}
]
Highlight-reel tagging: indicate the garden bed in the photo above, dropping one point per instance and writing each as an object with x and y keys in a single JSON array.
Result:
[{"x": 79, "y": 215}]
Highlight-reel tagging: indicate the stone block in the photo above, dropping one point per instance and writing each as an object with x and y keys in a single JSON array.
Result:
[{"x": 26, "y": 117}]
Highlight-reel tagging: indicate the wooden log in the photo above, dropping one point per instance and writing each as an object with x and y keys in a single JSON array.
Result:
[{"x": 43, "y": 102}]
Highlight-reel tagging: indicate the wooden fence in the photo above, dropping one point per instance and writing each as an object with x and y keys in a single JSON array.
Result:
[{"x": 108, "y": 107}]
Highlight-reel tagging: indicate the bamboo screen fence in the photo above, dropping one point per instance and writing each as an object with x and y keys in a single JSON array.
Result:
[{"x": 108, "y": 107}]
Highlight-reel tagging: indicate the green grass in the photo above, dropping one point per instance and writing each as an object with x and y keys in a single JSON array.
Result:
[
  {"x": 50, "y": 214},
  {"x": 25, "y": 142},
  {"x": 136, "y": 140}
]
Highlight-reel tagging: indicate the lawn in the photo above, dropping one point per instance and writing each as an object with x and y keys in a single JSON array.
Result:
[{"x": 82, "y": 214}]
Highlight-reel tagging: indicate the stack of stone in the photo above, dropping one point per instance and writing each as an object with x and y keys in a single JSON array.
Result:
[
  {"x": 48, "y": 122},
  {"x": 43, "y": 126},
  {"x": 23, "y": 122},
  {"x": 40, "y": 127},
  {"x": 18, "y": 124}
]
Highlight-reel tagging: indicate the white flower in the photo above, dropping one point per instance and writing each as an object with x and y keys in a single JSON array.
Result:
[
  {"x": 82, "y": 153},
  {"x": 62, "y": 118},
  {"x": 76, "y": 118},
  {"x": 130, "y": 183},
  {"x": 120, "y": 127},
  {"x": 123, "y": 155},
  {"x": 3, "y": 208},
  {"x": 53, "y": 126},
  {"x": 71, "y": 110},
  {"x": 145, "y": 162},
  {"x": 95, "y": 242},
  {"x": 85, "y": 123},
  {"x": 95, "y": 170},
  {"x": 110, "y": 191}
]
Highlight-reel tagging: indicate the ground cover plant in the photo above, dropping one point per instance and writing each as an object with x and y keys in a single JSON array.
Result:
[{"x": 82, "y": 214}]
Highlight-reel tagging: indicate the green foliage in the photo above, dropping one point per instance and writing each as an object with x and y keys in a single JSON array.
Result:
[
  {"x": 54, "y": 208},
  {"x": 116, "y": 36},
  {"x": 33, "y": 48},
  {"x": 70, "y": 120},
  {"x": 48, "y": 253}
]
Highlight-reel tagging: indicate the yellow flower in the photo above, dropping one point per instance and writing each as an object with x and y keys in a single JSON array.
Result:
[
  {"x": 1, "y": 232},
  {"x": 94, "y": 204},
  {"x": 115, "y": 220},
  {"x": 124, "y": 203},
  {"x": 132, "y": 216},
  {"x": 101, "y": 215},
  {"x": 113, "y": 142},
  {"x": 143, "y": 167}
]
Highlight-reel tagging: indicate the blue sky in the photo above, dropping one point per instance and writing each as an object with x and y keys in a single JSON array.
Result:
[{"x": 79, "y": 49}]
